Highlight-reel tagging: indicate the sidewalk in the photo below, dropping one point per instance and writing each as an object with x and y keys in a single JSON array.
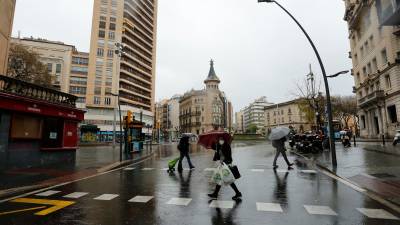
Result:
[
  {"x": 366, "y": 166},
  {"x": 86, "y": 161}
]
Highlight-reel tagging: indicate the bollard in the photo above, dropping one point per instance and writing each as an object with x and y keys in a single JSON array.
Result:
[
  {"x": 354, "y": 139},
  {"x": 383, "y": 139}
]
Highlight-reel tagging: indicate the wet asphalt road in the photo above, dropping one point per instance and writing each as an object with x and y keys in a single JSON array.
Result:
[{"x": 284, "y": 196}]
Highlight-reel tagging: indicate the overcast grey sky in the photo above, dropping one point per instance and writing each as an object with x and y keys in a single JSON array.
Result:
[{"x": 258, "y": 50}]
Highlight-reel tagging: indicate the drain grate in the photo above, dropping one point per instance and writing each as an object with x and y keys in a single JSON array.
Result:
[{"x": 383, "y": 175}]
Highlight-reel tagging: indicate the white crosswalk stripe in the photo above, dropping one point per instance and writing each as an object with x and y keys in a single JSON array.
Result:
[
  {"x": 222, "y": 204},
  {"x": 269, "y": 207},
  {"x": 210, "y": 169},
  {"x": 308, "y": 171},
  {"x": 141, "y": 199},
  {"x": 257, "y": 170},
  {"x": 179, "y": 201},
  {"x": 129, "y": 168},
  {"x": 76, "y": 195},
  {"x": 47, "y": 193},
  {"x": 320, "y": 210},
  {"x": 164, "y": 169},
  {"x": 377, "y": 214},
  {"x": 147, "y": 169},
  {"x": 106, "y": 197}
]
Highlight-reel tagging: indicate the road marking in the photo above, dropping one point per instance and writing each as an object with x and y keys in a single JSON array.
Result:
[
  {"x": 377, "y": 214},
  {"x": 210, "y": 169},
  {"x": 21, "y": 210},
  {"x": 129, "y": 168},
  {"x": 164, "y": 169},
  {"x": 48, "y": 193},
  {"x": 141, "y": 199},
  {"x": 106, "y": 197},
  {"x": 76, "y": 195},
  {"x": 179, "y": 201},
  {"x": 269, "y": 207},
  {"x": 308, "y": 171},
  {"x": 320, "y": 210},
  {"x": 257, "y": 170},
  {"x": 56, "y": 204},
  {"x": 282, "y": 171},
  {"x": 221, "y": 204},
  {"x": 147, "y": 169}
]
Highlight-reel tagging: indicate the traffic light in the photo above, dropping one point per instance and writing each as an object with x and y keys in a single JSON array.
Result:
[{"x": 129, "y": 117}]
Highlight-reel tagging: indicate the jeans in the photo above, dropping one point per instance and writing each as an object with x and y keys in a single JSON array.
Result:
[
  {"x": 284, "y": 156},
  {"x": 186, "y": 154}
]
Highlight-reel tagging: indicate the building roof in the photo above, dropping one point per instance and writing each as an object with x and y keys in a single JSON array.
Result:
[
  {"x": 294, "y": 101},
  {"x": 211, "y": 74}
]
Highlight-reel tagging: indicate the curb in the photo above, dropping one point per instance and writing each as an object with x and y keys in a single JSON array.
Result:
[{"x": 20, "y": 190}]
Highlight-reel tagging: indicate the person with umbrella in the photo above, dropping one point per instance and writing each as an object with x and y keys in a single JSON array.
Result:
[
  {"x": 278, "y": 138},
  {"x": 183, "y": 148},
  {"x": 220, "y": 142}
]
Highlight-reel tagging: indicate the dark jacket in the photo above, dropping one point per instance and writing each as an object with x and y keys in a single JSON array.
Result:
[
  {"x": 279, "y": 144},
  {"x": 225, "y": 150},
  {"x": 183, "y": 145}
]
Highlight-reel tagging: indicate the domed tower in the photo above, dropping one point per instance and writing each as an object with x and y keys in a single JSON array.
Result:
[{"x": 212, "y": 81}]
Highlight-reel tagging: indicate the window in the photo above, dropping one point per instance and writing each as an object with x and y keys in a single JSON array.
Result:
[
  {"x": 97, "y": 90},
  {"x": 103, "y": 18},
  {"x": 371, "y": 41},
  {"x": 392, "y": 113},
  {"x": 360, "y": 93},
  {"x": 98, "y": 81},
  {"x": 374, "y": 65},
  {"x": 366, "y": 47},
  {"x": 78, "y": 80},
  {"x": 113, "y": 19},
  {"x": 81, "y": 100},
  {"x": 369, "y": 69},
  {"x": 102, "y": 25},
  {"x": 49, "y": 67},
  {"x": 112, "y": 26},
  {"x": 110, "y": 53},
  {"x": 58, "y": 68},
  {"x": 79, "y": 70},
  {"x": 100, "y": 52},
  {"x": 80, "y": 61},
  {"x": 358, "y": 77},
  {"x": 363, "y": 122},
  {"x": 362, "y": 51},
  {"x": 384, "y": 56},
  {"x": 77, "y": 90},
  {"x": 107, "y": 91},
  {"x": 355, "y": 59},
  {"x": 111, "y": 35},
  {"x": 96, "y": 100},
  {"x": 107, "y": 101},
  {"x": 109, "y": 82},
  {"x": 365, "y": 71},
  {"x": 102, "y": 34},
  {"x": 387, "y": 81}
]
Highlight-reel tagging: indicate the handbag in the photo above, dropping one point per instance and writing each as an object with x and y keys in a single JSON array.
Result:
[{"x": 235, "y": 171}]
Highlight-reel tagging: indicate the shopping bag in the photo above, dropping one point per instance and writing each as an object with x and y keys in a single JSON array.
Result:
[
  {"x": 216, "y": 177},
  {"x": 226, "y": 174},
  {"x": 235, "y": 171}
]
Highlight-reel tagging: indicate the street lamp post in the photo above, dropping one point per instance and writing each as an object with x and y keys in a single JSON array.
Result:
[
  {"x": 120, "y": 126},
  {"x": 328, "y": 97},
  {"x": 119, "y": 52}
]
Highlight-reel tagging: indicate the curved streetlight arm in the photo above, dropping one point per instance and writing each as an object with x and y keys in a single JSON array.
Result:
[{"x": 328, "y": 97}]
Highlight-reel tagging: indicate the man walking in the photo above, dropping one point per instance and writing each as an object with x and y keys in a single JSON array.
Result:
[
  {"x": 183, "y": 147},
  {"x": 280, "y": 149}
]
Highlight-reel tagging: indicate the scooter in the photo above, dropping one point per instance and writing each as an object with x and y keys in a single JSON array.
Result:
[{"x": 396, "y": 138}]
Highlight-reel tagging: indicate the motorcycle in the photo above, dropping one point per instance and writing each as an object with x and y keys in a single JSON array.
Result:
[{"x": 396, "y": 138}]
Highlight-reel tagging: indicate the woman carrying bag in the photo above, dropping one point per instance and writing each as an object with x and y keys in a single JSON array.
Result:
[{"x": 223, "y": 153}]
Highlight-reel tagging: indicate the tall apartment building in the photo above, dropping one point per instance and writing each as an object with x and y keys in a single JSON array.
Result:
[
  {"x": 6, "y": 21},
  {"x": 78, "y": 77},
  {"x": 132, "y": 76},
  {"x": 207, "y": 109},
  {"x": 173, "y": 117},
  {"x": 239, "y": 122},
  {"x": 253, "y": 114},
  {"x": 56, "y": 55},
  {"x": 375, "y": 52},
  {"x": 286, "y": 114}
]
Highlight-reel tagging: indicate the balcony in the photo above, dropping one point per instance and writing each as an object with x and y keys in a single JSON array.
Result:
[
  {"x": 21, "y": 88},
  {"x": 371, "y": 99}
]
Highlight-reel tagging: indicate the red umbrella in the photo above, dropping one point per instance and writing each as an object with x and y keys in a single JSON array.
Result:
[{"x": 208, "y": 139}]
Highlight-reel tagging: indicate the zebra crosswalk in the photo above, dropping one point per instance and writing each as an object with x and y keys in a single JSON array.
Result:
[{"x": 267, "y": 207}]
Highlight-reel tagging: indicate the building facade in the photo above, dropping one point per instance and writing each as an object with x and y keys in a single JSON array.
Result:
[
  {"x": 173, "y": 117},
  {"x": 253, "y": 114},
  {"x": 205, "y": 110},
  {"x": 286, "y": 114},
  {"x": 78, "y": 77},
  {"x": 55, "y": 55},
  {"x": 375, "y": 53},
  {"x": 6, "y": 22},
  {"x": 130, "y": 73},
  {"x": 239, "y": 122}
]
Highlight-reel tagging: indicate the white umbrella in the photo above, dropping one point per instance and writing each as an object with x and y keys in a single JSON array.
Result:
[{"x": 278, "y": 133}]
